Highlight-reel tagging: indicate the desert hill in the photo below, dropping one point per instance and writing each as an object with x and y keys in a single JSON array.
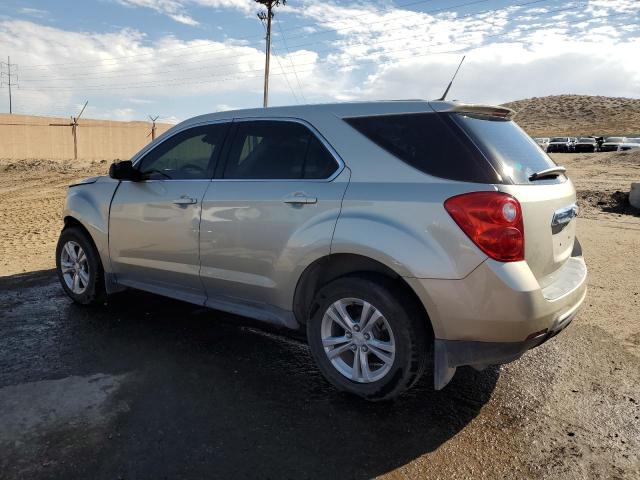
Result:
[{"x": 578, "y": 115}]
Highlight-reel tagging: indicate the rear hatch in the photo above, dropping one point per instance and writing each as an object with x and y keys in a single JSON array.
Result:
[{"x": 548, "y": 203}]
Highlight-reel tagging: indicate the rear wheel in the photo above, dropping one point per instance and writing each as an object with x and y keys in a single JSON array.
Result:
[
  {"x": 368, "y": 337},
  {"x": 79, "y": 268}
]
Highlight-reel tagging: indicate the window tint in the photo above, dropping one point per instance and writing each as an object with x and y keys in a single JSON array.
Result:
[
  {"x": 511, "y": 151},
  {"x": 429, "y": 142},
  {"x": 187, "y": 155},
  {"x": 277, "y": 150}
]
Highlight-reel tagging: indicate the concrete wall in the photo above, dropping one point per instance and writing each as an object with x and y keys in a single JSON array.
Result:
[{"x": 29, "y": 137}]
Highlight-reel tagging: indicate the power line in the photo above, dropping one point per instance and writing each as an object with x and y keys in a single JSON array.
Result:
[
  {"x": 246, "y": 37},
  {"x": 145, "y": 72},
  {"x": 45, "y": 78},
  {"x": 370, "y": 58},
  {"x": 290, "y": 61},
  {"x": 245, "y": 77},
  {"x": 191, "y": 47}
]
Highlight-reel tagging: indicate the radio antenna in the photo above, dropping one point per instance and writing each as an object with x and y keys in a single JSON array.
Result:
[{"x": 444, "y": 95}]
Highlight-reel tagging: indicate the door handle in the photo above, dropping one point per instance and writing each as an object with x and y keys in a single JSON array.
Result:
[
  {"x": 299, "y": 198},
  {"x": 185, "y": 200}
]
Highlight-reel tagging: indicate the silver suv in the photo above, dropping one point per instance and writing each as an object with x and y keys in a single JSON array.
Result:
[{"x": 404, "y": 237}]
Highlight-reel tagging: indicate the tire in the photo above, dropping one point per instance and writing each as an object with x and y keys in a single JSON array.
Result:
[
  {"x": 90, "y": 276},
  {"x": 408, "y": 335}
]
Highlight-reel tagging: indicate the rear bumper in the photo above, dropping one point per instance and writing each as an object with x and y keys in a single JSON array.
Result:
[
  {"x": 498, "y": 312},
  {"x": 450, "y": 354}
]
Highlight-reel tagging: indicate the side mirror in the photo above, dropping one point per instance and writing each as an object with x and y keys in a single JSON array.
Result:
[{"x": 124, "y": 171}]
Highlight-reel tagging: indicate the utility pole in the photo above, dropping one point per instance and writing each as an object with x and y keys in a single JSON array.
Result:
[
  {"x": 12, "y": 78},
  {"x": 74, "y": 129},
  {"x": 153, "y": 126},
  {"x": 265, "y": 18},
  {"x": 74, "y": 126}
]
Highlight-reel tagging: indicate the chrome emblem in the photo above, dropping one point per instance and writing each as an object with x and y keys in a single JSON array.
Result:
[{"x": 562, "y": 217}]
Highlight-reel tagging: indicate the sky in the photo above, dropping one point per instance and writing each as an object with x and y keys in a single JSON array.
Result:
[{"x": 180, "y": 58}]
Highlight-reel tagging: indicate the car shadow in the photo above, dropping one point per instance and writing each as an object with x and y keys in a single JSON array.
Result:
[{"x": 210, "y": 395}]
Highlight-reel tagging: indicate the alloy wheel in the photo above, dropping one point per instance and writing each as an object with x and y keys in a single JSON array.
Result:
[
  {"x": 74, "y": 267},
  {"x": 358, "y": 340}
]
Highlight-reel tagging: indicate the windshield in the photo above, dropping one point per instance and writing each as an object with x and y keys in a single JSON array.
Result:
[
  {"x": 559, "y": 139},
  {"x": 511, "y": 151},
  {"x": 615, "y": 139},
  {"x": 587, "y": 140},
  {"x": 633, "y": 140}
]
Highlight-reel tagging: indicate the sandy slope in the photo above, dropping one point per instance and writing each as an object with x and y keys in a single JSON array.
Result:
[{"x": 578, "y": 115}]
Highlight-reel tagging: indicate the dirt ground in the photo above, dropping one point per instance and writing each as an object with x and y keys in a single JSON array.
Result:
[{"x": 147, "y": 387}]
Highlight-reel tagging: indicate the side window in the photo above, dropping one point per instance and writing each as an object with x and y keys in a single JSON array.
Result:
[
  {"x": 430, "y": 142},
  {"x": 277, "y": 150},
  {"x": 319, "y": 163},
  {"x": 187, "y": 155}
]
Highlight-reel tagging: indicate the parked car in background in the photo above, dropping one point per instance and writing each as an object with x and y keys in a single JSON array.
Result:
[
  {"x": 611, "y": 144},
  {"x": 543, "y": 142},
  {"x": 400, "y": 236},
  {"x": 586, "y": 144},
  {"x": 560, "y": 145},
  {"x": 629, "y": 144}
]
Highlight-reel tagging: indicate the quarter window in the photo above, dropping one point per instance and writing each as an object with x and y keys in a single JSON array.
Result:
[
  {"x": 428, "y": 142},
  {"x": 188, "y": 155},
  {"x": 277, "y": 150}
]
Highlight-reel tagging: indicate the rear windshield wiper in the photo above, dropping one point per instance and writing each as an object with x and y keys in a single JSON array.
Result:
[{"x": 547, "y": 173}]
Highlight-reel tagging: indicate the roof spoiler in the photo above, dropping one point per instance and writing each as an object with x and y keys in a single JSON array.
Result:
[{"x": 488, "y": 110}]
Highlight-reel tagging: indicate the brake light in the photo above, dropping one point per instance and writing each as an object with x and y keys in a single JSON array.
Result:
[{"x": 492, "y": 220}]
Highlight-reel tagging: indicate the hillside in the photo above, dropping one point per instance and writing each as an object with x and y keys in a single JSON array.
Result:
[{"x": 578, "y": 115}]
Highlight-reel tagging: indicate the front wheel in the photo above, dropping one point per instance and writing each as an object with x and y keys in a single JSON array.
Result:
[
  {"x": 79, "y": 268},
  {"x": 368, "y": 337}
]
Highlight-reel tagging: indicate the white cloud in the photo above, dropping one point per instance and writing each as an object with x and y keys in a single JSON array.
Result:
[
  {"x": 184, "y": 19},
  {"x": 172, "y": 119},
  {"x": 404, "y": 54},
  {"x": 223, "y": 107},
  {"x": 177, "y": 9},
  {"x": 33, "y": 12},
  {"x": 57, "y": 66}
]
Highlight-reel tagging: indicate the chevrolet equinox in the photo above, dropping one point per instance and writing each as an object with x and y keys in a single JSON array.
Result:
[{"x": 403, "y": 236}]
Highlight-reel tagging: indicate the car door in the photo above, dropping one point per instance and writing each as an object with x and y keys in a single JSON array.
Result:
[
  {"x": 154, "y": 224},
  {"x": 271, "y": 211}
]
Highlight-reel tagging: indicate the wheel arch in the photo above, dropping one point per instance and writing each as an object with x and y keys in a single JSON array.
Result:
[
  {"x": 337, "y": 265},
  {"x": 72, "y": 222}
]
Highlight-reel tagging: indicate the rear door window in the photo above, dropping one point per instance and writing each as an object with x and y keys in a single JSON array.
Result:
[
  {"x": 430, "y": 142},
  {"x": 265, "y": 149}
]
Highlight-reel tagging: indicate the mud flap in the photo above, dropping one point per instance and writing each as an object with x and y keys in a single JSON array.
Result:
[
  {"x": 450, "y": 354},
  {"x": 442, "y": 371}
]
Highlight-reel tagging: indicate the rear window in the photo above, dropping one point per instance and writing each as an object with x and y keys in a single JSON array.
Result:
[
  {"x": 511, "y": 151},
  {"x": 430, "y": 142}
]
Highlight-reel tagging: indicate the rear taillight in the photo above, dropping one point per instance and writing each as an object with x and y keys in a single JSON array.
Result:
[{"x": 493, "y": 220}]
